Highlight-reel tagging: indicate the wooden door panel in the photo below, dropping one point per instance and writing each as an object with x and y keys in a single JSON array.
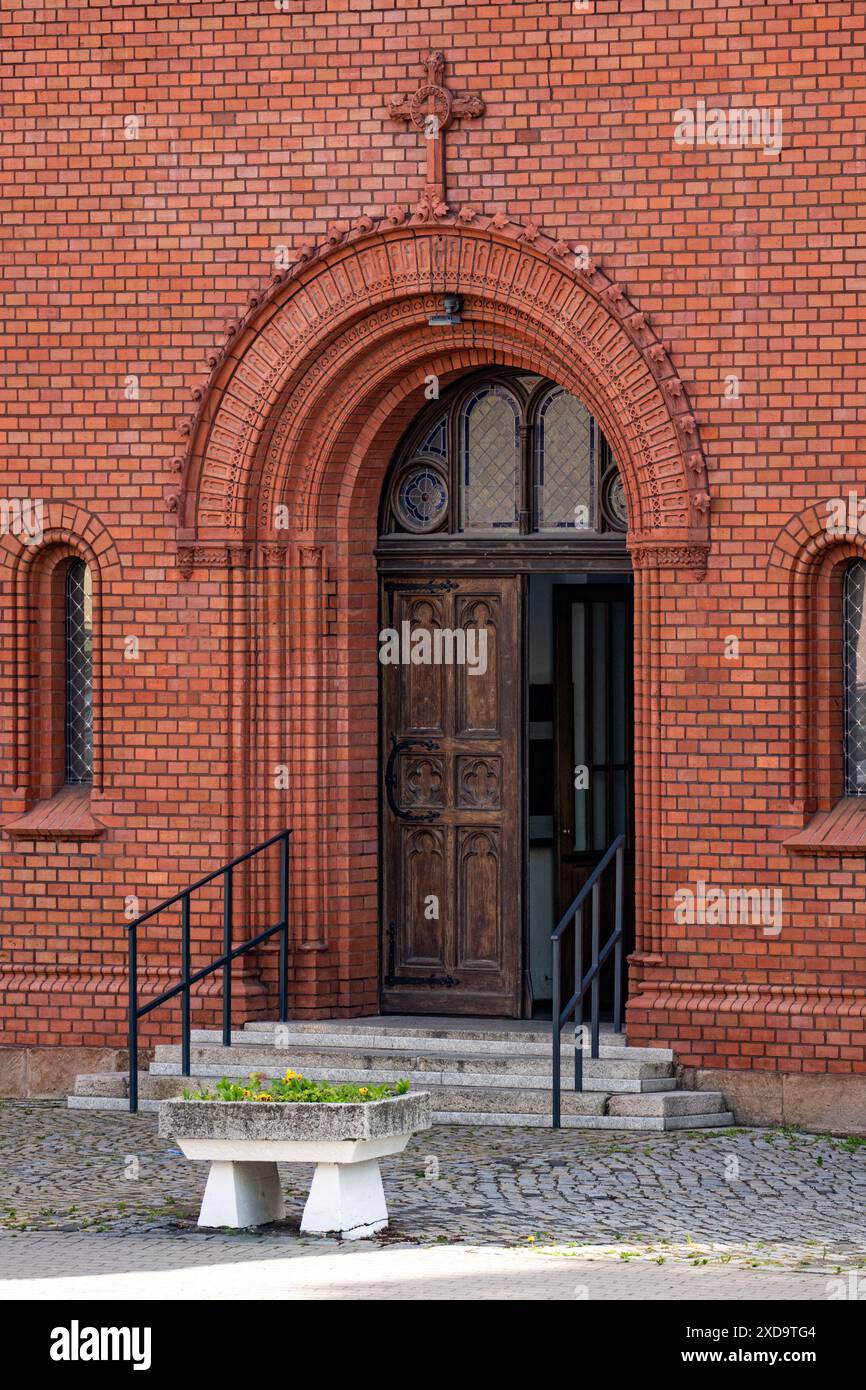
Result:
[
  {"x": 479, "y": 899},
  {"x": 422, "y": 781},
  {"x": 478, "y": 782},
  {"x": 424, "y": 875},
  {"x": 451, "y": 864},
  {"x": 422, "y": 689},
  {"x": 478, "y": 696}
]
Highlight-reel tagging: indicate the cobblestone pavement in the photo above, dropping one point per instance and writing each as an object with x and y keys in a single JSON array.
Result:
[{"x": 751, "y": 1198}]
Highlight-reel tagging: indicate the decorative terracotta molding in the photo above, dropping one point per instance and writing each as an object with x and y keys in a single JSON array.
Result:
[
  {"x": 376, "y": 284},
  {"x": 226, "y": 556},
  {"x": 669, "y": 557}
]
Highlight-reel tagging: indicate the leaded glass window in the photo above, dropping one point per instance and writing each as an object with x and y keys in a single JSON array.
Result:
[
  {"x": 79, "y": 675},
  {"x": 505, "y": 454},
  {"x": 436, "y": 442},
  {"x": 422, "y": 499},
  {"x": 854, "y": 649},
  {"x": 565, "y": 472},
  {"x": 490, "y": 460}
]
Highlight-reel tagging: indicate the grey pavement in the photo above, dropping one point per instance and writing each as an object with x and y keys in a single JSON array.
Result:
[
  {"x": 77, "y": 1266},
  {"x": 475, "y": 1212}
]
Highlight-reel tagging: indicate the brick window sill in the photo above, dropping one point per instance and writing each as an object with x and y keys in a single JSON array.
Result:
[
  {"x": 841, "y": 830},
  {"x": 64, "y": 816}
]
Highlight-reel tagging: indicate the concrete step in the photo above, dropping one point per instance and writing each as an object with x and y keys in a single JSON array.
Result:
[
  {"x": 668, "y": 1103},
  {"x": 313, "y": 1061},
  {"x": 427, "y": 1077},
  {"x": 369, "y": 1041},
  {"x": 643, "y": 1124},
  {"x": 478, "y": 1071},
  {"x": 481, "y": 1030},
  {"x": 423, "y": 1079},
  {"x": 508, "y": 1119},
  {"x": 454, "y": 1098}
]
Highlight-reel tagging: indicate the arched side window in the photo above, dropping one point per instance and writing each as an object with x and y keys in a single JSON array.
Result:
[
  {"x": 505, "y": 455},
  {"x": 854, "y": 670},
  {"x": 78, "y": 676}
]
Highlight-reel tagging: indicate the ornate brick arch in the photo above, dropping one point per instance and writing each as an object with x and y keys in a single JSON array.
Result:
[
  {"x": 328, "y": 343},
  {"x": 300, "y": 417}
]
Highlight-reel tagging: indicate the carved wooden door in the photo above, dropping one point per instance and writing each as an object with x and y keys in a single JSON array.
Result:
[{"x": 451, "y": 881}]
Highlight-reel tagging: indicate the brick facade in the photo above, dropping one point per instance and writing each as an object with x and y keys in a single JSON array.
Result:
[{"x": 158, "y": 157}]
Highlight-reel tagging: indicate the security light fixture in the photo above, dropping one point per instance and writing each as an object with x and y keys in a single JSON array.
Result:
[{"x": 451, "y": 307}]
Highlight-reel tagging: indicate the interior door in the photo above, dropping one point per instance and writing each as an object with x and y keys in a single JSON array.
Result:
[
  {"x": 593, "y": 712},
  {"x": 451, "y": 776}
]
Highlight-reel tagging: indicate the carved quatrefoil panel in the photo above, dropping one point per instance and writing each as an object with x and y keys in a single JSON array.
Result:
[
  {"x": 479, "y": 783},
  {"x": 422, "y": 782}
]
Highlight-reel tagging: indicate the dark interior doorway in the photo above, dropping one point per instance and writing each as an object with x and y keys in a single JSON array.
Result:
[{"x": 580, "y": 756}]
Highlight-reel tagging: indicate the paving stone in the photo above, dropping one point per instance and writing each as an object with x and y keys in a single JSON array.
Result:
[{"x": 771, "y": 1199}]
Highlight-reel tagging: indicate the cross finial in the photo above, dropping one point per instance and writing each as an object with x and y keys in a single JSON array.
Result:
[{"x": 431, "y": 110}]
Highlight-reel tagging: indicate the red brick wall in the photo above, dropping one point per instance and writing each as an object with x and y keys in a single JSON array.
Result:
[{"x": 261, "y": 128}]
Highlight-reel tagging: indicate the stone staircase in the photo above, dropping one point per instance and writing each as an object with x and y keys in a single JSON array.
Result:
[{"x": 478, "y": 1071}]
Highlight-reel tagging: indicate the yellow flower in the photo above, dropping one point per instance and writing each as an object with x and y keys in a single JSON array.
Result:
[
  {"x": 362, "y": 1090},
  {"x": 531, "y": 1239},
  {"x": 291, "y": 1076},
  {"x": 264, "y": 1095}
]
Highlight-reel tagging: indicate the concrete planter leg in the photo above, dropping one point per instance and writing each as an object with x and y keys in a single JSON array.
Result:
[
  {"x": 242, "y": 1194},
  {"x": 346, "y": 1199}
]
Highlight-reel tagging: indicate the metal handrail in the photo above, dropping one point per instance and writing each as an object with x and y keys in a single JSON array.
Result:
[
  {"x": 592, "y": 979},
  {"x": 223, "y": 962}
]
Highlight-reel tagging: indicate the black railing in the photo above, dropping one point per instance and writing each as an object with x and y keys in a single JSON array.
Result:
[
  {"x": 223, "y": 962},
  {"x": 592, "y": 979}
]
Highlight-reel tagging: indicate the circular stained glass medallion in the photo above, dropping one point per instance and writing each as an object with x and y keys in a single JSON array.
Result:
[
  {"x": 614, "y": 502},
  {"x": 422, "y": 499}
]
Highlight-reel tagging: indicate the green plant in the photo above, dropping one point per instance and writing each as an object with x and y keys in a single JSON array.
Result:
[{"x": 293, "y": 1087}]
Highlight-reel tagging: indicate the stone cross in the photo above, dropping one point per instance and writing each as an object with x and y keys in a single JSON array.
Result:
[{"x": 431, "y": 110}]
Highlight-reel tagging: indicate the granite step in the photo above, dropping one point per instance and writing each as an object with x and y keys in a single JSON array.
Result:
[
  {"x": 370, "y": 1042},
  {"x": 478, "y": 1071},
  {"x": 428, "y": 1076},
  {"x": 452, "y": 1099},
  {"x": 643, "y": 1124},
  {"x": 316, "y": 1061}
]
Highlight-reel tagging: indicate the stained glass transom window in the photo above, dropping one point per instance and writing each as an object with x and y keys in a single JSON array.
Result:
[
  {"x": 436, "y": 442},
  {"x": 504, "y": 454},
  {"x": 79, "y": 675},
  {"x": 854, "y": 645},
  {"x": 490, "y": 460}
]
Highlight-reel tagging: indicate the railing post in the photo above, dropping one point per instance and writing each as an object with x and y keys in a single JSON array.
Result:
[
  {"x": 284, "y": 934},
  {"x": 184, "y": 998},
  {"x": 578, "y": 1008},
  {"x": 595, "y": 998},
  {"x": 133, "y": 1017},
  {"x": 227, "y": 969},
  {"x": 555, "y": 1030},
  {"x": 617, "y": 950}
]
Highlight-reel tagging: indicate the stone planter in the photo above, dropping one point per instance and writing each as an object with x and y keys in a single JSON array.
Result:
[{"x": 245, "y": 1140}]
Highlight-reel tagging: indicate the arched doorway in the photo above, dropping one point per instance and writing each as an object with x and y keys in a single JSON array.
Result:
[
  {"x": 289, "y": 448},
  {"x": 506, "y": 689}
]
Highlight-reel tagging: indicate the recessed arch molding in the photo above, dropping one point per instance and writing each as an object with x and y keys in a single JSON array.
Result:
[{"x": 348, "y": 323}]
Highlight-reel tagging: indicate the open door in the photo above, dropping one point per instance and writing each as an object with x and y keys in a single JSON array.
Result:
[
  {"x": 593, "y": 712},
  {"x": 451, "y": 793}
]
